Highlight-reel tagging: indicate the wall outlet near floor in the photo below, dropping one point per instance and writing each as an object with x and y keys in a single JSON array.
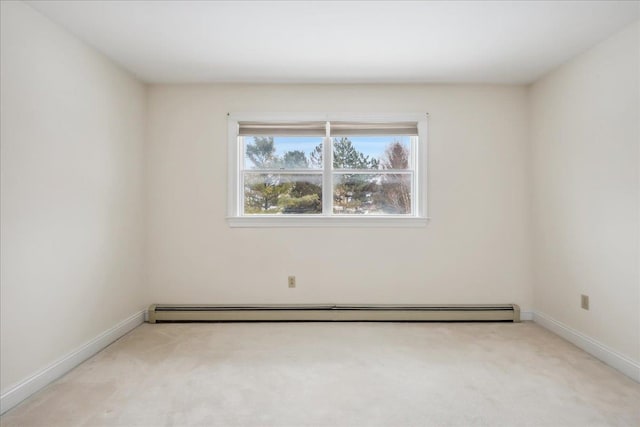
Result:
[
  {"x": 292, "y": 281},
  {"x": 584, "y": 301}
]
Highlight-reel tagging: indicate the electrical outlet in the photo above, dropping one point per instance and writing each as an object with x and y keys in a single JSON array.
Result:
[
  {"x": 584, "y": 301},
  {"x": 292, "y": 281}
]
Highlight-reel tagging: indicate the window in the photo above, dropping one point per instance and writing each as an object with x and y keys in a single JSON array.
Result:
[{"x": 340, "y": 171}]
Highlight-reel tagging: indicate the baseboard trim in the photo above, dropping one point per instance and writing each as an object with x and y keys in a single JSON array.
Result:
[
  {"x": 598, "y": 350},
  {"x": 526, "y": 315},
  {"x": 41, "y": 379}
]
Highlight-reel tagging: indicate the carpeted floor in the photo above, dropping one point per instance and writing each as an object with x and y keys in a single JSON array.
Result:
[{"x": 337, "y": 374}]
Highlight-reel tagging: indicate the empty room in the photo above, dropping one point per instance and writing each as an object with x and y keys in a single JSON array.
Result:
[{"x": 319, "y": 213}]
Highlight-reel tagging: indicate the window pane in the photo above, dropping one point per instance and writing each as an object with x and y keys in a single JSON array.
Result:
[
  {"x": 283, "y": 152},
  {"x": 282, "y": 193},
  {"x": 372, "y": 194},
  {"x": 372, "y": 152}
]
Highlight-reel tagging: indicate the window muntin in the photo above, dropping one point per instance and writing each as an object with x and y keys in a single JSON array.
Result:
[{"x": 378, "y": 178}]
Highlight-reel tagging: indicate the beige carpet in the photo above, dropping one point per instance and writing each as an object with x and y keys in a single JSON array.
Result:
[{"x": 337, "y": 374}]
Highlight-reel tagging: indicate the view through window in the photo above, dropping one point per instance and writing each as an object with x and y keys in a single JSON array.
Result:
[{"x": 327, "y": 168}]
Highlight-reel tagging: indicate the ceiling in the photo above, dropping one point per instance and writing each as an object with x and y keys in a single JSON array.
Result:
[{"x": 340, "y": 41}]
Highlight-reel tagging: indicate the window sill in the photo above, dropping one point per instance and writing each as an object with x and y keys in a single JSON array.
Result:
[{"x": 274, "y": 221}]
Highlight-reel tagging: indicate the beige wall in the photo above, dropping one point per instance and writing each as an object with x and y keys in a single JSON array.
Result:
[
  {"x": 71, "y": 198},
  {"x": 585, "y": 136},
  {"x": 476, "y": 248}
]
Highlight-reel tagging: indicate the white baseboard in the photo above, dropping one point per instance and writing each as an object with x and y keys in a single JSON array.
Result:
[
  {"x": 39, "y": 380},
  {"x": 600, "y": 351},
  {"x": 526, "y": 315}
]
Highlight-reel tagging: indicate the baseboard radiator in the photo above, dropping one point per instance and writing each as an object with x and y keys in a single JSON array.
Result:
[{"x": 333, "y": 313}]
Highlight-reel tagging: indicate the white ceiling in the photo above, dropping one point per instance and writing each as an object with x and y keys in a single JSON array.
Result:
[{"x": 340, "y": 41}]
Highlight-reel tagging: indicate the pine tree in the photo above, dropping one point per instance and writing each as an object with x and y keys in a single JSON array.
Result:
[
  {"x": 352, "y": 193},
  {"x": 280, "y": 193},
  {"x": 345, "y": 156},
  {"x": 263, "y": 192},
  {"x": 316, "y": 157},
  {"x": 295, "y": 160},
  {"x": 262, "y": 152}
]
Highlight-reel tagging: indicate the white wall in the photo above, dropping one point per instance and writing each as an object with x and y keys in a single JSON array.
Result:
[
  {"x": 476, "y": 248},
  {"x": 585, "y": 136},
  {"x": 71, "y": 193}
]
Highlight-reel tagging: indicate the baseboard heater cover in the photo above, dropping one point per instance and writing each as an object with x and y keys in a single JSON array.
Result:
[{"x": 333, "y": 313}]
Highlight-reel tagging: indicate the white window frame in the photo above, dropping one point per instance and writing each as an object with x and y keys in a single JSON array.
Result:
[{"x": 327, "y": 218}]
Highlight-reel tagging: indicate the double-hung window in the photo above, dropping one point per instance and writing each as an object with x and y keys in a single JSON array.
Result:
[{"x": 327, "y": 171}]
